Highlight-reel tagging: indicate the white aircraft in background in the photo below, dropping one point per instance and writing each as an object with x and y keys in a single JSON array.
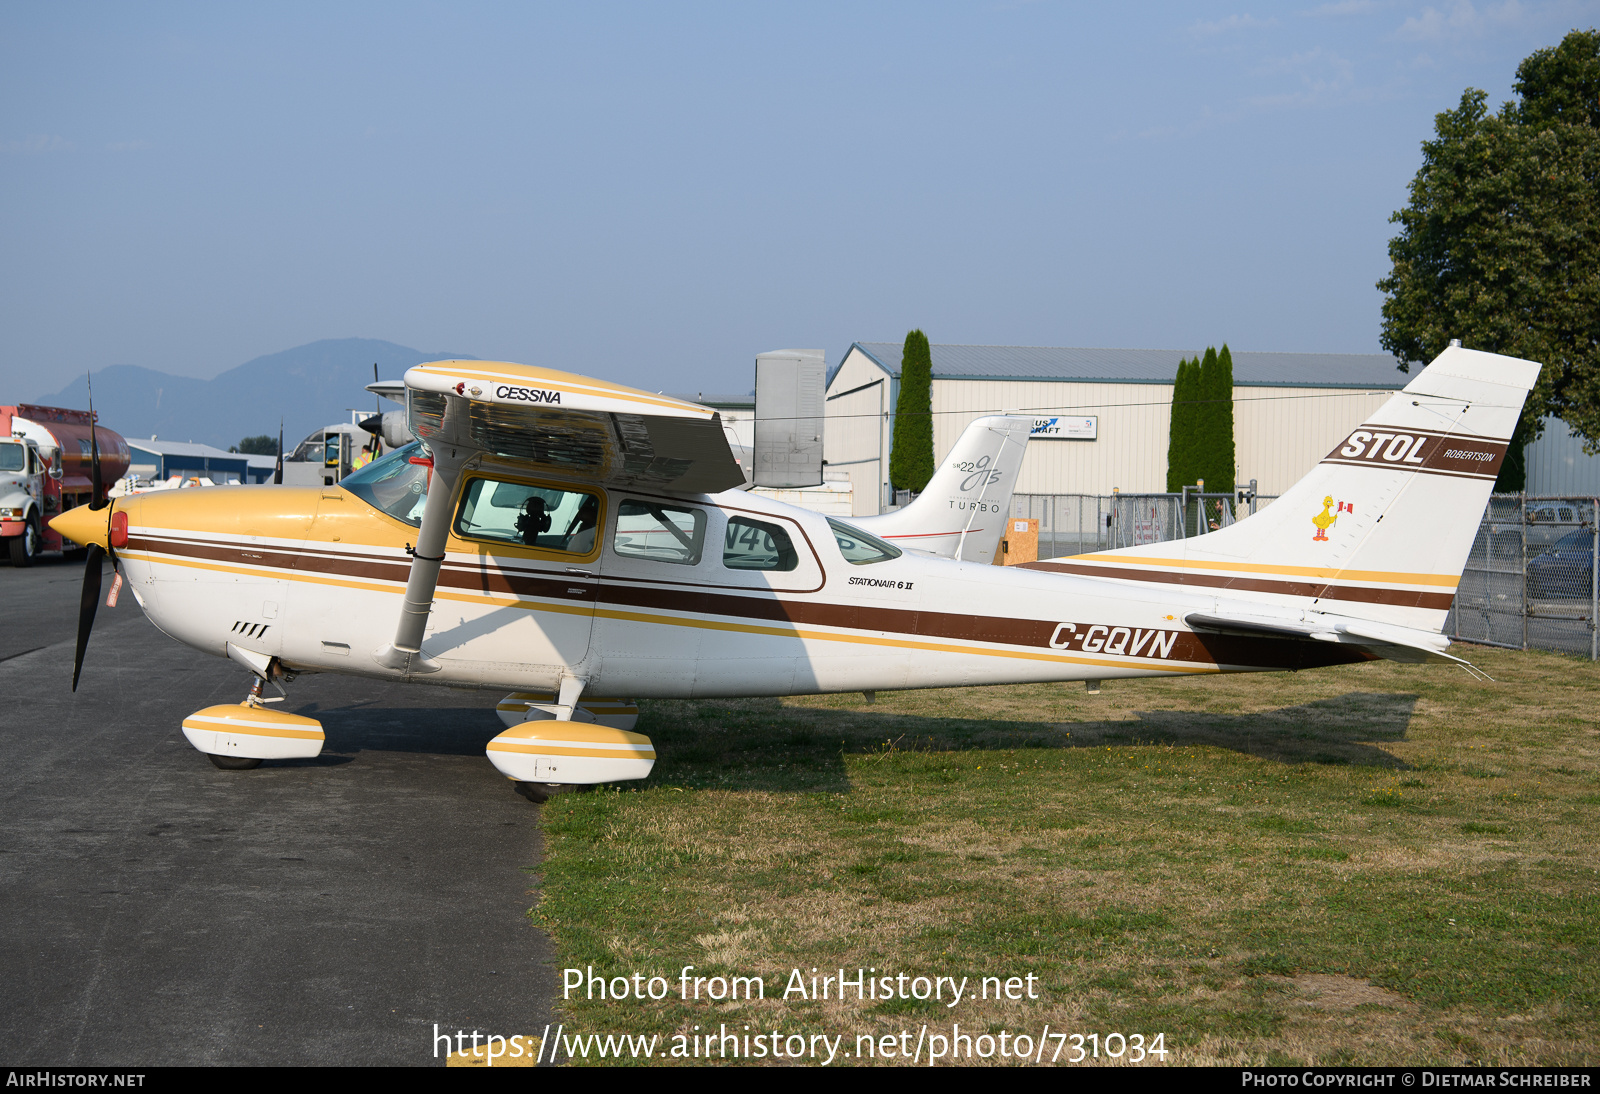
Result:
[
  {"x": 567, "y": 539},
  {"x": 961, "y": 513}
]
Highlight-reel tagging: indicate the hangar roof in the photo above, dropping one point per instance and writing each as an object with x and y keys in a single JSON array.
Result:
[
  {"x": 1142, "y": 366},
  {"x": 719, "y": 400},
  {"x": 186, "y": 448}
]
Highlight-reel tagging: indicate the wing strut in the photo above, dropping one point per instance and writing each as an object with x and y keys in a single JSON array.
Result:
[{"x": 405, "y": 654}]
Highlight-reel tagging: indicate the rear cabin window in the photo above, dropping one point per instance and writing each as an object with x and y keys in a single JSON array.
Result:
[
  {"x": 757, "y": 545},
  {"x": 542, "y": 517},
  {"x": 660, "y": 533},
  {"x": 859, "y": 548}
]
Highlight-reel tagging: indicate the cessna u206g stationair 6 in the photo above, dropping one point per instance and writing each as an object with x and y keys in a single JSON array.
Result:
[{"x": 565, "y": 539}]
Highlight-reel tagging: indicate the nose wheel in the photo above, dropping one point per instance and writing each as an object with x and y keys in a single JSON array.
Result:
[
  {"x": 238, "y": 737},
  {"x": 539, "y": 793},
  {"x": 233, "y": 763}
]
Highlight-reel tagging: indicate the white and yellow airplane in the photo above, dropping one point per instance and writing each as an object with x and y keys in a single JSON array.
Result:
[{"x": 568, "y": 539}]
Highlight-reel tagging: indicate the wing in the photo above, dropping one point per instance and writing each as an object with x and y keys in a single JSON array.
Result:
[
  {"x": 577, "y": 427},
  {"x": 547, "y": 421},
  {"x": 393, "y": 390}
]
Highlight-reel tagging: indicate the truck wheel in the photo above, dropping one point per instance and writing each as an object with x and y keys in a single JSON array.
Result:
[{"x": 25, "y": 548}]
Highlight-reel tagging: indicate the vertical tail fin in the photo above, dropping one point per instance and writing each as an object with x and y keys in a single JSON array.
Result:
[
  {"x": 1382, "y": 527},
  {"x": 962, "y": 512}
]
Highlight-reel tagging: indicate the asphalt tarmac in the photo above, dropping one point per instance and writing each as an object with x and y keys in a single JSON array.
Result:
[{"x": 155, "y": 910}]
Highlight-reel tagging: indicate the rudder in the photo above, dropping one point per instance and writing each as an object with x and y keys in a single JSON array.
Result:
[
  {"x": 962, "y": 511},
  {"x": 1382, "y": 527}
]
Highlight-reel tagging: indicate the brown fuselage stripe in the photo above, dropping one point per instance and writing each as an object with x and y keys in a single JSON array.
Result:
[
  {"x": 896, "y": 622},
  {"x": 1404, "y": 598}
]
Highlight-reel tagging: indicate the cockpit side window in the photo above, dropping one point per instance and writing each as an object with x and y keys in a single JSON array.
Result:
[{"x": 544, "y": 517}]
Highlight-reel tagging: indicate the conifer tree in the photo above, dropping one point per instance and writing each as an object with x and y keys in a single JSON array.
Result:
[
  {"x": 1181, "y": 437},
  {"x": 1200, "y": 442},
  {"x": 1216, "y": 452},
  {"x": 1205, "y": 440},
  {"x": 911, "y": 459}
]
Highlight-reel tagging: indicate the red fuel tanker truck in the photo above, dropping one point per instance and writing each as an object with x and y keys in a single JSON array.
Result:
[{"x": 45, "y": 469}]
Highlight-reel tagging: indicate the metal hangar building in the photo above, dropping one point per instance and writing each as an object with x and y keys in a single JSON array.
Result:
[{"x": 1112, "y": 411}]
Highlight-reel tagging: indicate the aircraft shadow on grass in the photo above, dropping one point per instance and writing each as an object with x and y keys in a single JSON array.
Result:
[{"x": 759, "y": 744}]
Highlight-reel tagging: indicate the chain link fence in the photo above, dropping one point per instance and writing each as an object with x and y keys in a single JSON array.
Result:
[
  {"x": 1531, "y": 581},
  {"x": 1076, "y": 524}
]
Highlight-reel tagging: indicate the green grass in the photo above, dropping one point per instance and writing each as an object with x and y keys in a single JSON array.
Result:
[{"x": 1375, "y": 864}]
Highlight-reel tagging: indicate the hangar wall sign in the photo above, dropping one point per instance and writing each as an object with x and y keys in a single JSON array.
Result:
[{"x": 1066, "y": 429}]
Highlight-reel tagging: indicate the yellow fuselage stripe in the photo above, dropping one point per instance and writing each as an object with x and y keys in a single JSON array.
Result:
[{"x": 1322, "y": 573}]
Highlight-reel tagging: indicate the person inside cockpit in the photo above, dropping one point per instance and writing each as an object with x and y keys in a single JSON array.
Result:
[
  {"x": 581, "y": 532},
  {"x": 533, "y": 520}
]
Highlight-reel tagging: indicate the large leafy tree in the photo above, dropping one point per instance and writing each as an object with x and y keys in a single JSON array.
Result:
[
  {"x": 1500, "y": 243},
  {"x": 264, "y": 445},
  {"x": 911, "y": 459}
]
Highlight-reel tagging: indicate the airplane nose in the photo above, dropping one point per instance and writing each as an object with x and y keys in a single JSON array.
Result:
[{"x": 84, "y": 526}]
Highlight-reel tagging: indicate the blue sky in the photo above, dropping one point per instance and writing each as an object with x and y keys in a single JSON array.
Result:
[{"x": 654, "y": 193}]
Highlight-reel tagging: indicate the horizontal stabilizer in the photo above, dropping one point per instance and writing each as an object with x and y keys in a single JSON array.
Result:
[{"x": 1392, "y": 643}]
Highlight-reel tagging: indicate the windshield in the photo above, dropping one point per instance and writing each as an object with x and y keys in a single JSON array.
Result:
[
  {"x": 393, "y": 484},
  {"x": 858, "y": 548},
  {"x": 12, "y": 457}
]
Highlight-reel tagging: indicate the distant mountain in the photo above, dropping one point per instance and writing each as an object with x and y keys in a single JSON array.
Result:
[{"x": 309, "y": 386}]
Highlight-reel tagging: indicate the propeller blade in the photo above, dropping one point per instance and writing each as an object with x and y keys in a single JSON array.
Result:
[
  {"x": 94, "y": 452},
  {"x": 277, "y": 475},
  {"x": 377, "y": 402},
  {"x": 100, "y": 502},
  {"x": 87, "y": 604}
]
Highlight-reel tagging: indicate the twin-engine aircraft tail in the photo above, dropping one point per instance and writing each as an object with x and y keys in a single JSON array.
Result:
[
  {"x": 962, "y": 511},
  {"x": 1375, "y": 538}
]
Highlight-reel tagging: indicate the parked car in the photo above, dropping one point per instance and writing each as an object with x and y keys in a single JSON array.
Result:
[
  {"x": 1548, "y": 523},
  {"x": 1566, "y": 570},
  {"x": 1543, "y": 524}
]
